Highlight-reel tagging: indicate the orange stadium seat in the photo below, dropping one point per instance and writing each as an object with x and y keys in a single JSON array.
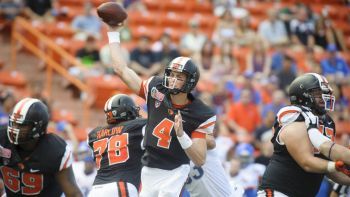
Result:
[
  {"x": 153, "y": 32},
  {"x": 172, "y": 19},
  {"x": 174, "y": 6},
  {"x": 63, "y": 115},
  {"x": 206, "y": 20},
  {"x": 106, "y": 86},
  {"x": 60, "y": 29},
  {"x": 70, "y": 45},
  {"x": 143, "y": 18},
  {"x": 196, "y": 7},
  {"x": 13, "y": 78},
  {"x": 152, "y": 5},
  {"x": 175, "y": 33},
  {"x": 69, "y": 3}
]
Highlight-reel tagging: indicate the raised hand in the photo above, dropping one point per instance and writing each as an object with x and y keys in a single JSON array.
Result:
[
  {"x": 342, "y": 167},
  {"x": 178, "y": 124}
]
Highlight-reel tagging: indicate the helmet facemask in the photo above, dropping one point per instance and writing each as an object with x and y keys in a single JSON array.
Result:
[
  {"x": 325, "y": 97},
  {"x": 21, "y": 132},
  {"x": 170, "y": 82}
]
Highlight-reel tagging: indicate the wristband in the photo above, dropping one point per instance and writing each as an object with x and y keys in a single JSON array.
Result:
[
  {"x": 331, "y": 166},
  {"x": 185, "y": 141},
  {"x": 330, "y": 151},
  {"x": 113, "y": 36}
]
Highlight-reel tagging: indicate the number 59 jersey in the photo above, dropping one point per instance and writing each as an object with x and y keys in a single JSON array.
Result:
[
  {"x": 163, "y": 149},
  {"x": 117, "y": 152}
]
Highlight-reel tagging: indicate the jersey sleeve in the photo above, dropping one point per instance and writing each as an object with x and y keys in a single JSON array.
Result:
[
  {"x": 288, "y": 114},
  {"x": 206, "y": 127},
  {"x": 67, "y": 159},
  {"x": 144, "y": 89}
]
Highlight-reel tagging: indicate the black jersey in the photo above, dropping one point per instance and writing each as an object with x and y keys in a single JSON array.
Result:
[
  {"x": 163, "y": 149},
  {"x": 283, "y": 173},
  {"x": 117, "y": 152},
  {"x": 35, "y": 174}
]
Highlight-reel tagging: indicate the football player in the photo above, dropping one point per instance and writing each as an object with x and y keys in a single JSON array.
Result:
[
  {"x": 117, "y": 149},
  {"x": 177, "y": 122},
  {"x": 32, "y": 161},
  {"x": 209, "y": 180},
  {"x": 303, "y": 142}
]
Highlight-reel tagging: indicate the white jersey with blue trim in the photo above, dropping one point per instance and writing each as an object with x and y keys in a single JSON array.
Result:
[{"x": 209, "y": 180}]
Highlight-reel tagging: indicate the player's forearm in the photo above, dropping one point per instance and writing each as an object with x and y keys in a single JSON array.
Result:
[
  {"x": 335, "y": 152},
  {"x": 316, "y": 165},
  {"x": 197, "y": 152},
  {"x": 339, "y": 177},
  {"x": 119, "y": 64}
]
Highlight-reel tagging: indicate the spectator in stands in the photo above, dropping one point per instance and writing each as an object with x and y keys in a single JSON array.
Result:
[
  {"x": 309, "y": 63},
  {"x": 39, "y": 10},
  {"x": 206, "y": 59},
  {"x": 7, "y": 102},
  {"x": 65, "y": 130},
  {"x": 244, "y": 116},
  {"x": 250, "y": 172},
  {"x": 165, "y": 50},
  {"x": 302, "y": 29},
  {"x": 143, "y": 59},
  {"x": 225, "y": 29},
  {"x": 244, "y": 34},
  {"x": 87, "y": 24},
  {"x": 89, "y": 54},
  {"x": 192, "y": 42},
  {"x": 266, "y": 125},
  {"x": 84, "y": 169},
  {"x": 9, "y": 9},
  {"x": 278, "y": 101},
  {"x": 266, "y": 148},
  {"x": 278, "y": 57},
  {"x": 258, "y": 60},
  {"x": 272, "y": 29},
  {"x": 335, "y": 66},
  {"x": 225, "y": 65},
  {"x": 286, "y": 75}
]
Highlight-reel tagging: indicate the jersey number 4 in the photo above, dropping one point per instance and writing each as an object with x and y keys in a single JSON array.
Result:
[
  {"x": 32, "y": 183},
  {"x": 117, "y": 149},
  {"x": 162, "y": 131}
]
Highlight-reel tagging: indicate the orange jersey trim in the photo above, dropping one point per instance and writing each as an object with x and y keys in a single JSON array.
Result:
[
  {"x": 197, "y": 134},
  {"x": 142, "y": 90},
  {"x": 207, "y": 125},
  {"x": 284, "y": 113}
]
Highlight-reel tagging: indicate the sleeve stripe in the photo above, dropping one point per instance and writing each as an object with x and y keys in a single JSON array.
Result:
[
  {"x": 210, "y": 120},
  {"x": 197, "y": 134},
  {"x": 280, "y": 116},
  {"x": 66, "y": 159},
  {"x": 146, "y": 85},
  {"x": 207, "y": 125}
]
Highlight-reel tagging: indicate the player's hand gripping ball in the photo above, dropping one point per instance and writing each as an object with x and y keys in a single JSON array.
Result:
[{"x": 113, "y": 14}]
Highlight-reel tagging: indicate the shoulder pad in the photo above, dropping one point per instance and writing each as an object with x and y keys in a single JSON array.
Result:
[{"x": 288, "y": 114}]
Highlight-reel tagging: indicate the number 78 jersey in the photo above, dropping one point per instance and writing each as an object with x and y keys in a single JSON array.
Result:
[
  {"x": 117, "y": 152},
  {"x": 163, "y": 149}
]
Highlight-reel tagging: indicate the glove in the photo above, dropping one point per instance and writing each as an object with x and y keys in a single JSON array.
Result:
[
  {"x": 343, "y": 168},
  {"x": 311, "y": 120}
]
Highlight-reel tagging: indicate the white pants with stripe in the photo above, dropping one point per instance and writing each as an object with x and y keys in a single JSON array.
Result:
[
  {"x": 163, "y": 183},
  {"x": 115, "y": 189},
  {"x": 262, "y": 193}
]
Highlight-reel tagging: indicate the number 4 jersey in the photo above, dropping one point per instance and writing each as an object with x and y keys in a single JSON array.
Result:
[
  {"x": 117, "y": 152},
  {"x": 35, "y": 174},
  {"x": 163, "y": 149}
]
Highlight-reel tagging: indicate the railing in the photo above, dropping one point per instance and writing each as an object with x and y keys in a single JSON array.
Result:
[{"x": 20, "y": 26}]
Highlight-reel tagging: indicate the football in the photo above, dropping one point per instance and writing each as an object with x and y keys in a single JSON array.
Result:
[{"x": 112, "y": 13}]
